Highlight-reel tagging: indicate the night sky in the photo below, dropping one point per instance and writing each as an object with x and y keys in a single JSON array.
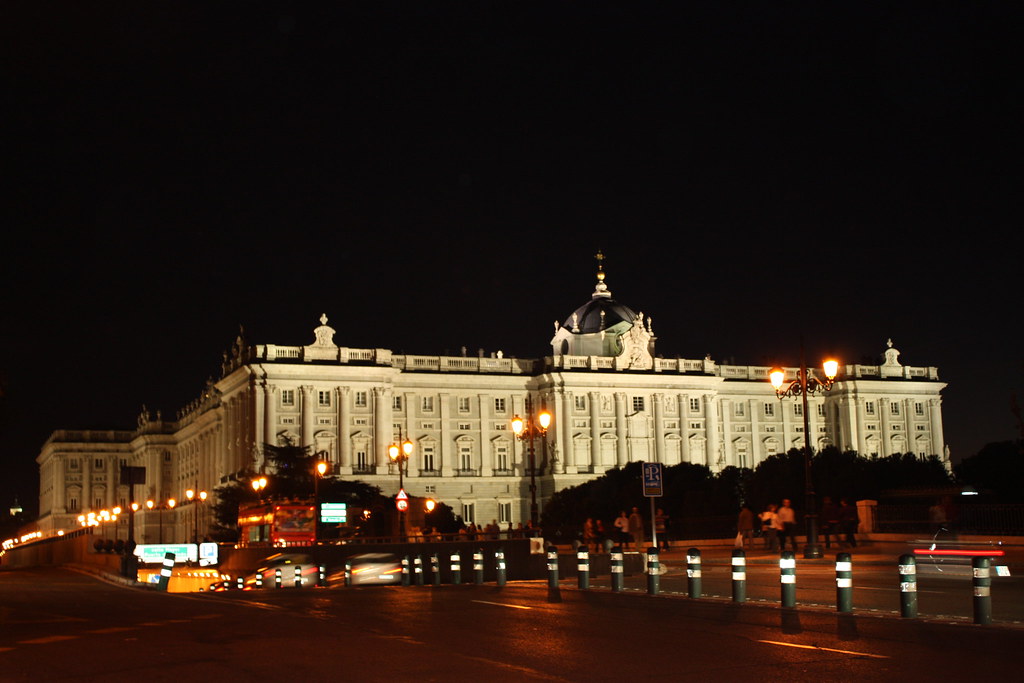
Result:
[{"x": 434, "y": 175}]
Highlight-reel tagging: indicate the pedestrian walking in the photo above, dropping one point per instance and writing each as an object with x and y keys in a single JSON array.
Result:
[
  {"x": 848, "y": 521},
  {"x": 622, "y": 529},
  {"x": 636, "y": 529},
  {"x": 829, "y": 521},
  {"x": 787, "y": 525},
  {"x": 661, "y": 528},
  {"x": 745, "y": 527},
  {"x": 769, "y": 527}
]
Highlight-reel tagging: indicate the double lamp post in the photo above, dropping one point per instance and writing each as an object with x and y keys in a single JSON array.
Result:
[
  {"x": 527, "y": 429},
  {"x": 803, "y": 385}
]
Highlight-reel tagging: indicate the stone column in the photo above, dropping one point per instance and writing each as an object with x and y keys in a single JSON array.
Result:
[
  {"x": 563, "y": 423},
  {"x": 860, "y": 429},
  {"x": 622, "y": 445},
  {"x": 269, "y": 413},
  {"x": 382, "y": 427},
  {"x": 885, "y": 436},
  {"x": 595, "y": 432},
  {"x": 683, "y": 401},
  {"x": 485, "y": 408},
  {"x": 659, "y": 427},
  {"x": 711, "y": 431},
  {"x": 345, "y": 429},
  {"x": 308, "y": 409},
  {"x": 935, "y": 415},
  {"x": 730, "y": 454}
]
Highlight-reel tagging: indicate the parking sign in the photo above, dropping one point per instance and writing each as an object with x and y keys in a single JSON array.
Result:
[{"x": 652, "y": 480}]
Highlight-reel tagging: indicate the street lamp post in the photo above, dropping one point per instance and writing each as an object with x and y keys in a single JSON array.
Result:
[
  {"x": 321, "y": 469},
  {"x": 803, "y": 385},
  {"x": 527, "y": 430},
  {"x": 202, "y": 511},
  {"x": 399, "y": 453},
  {"x": 191, "y": 494}
]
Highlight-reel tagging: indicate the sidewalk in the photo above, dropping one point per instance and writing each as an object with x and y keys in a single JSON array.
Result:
[{"x": 877, "y": 549}]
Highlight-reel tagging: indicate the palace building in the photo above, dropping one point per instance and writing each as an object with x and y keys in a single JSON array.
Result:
[{"x": 612, "y": 401}]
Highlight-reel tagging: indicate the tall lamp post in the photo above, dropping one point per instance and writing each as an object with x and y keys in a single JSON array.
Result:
[
  {"x": 803, "y": 385},
  {"x": 191, "y": 494},
  {"x": 527, "y": 430},
  {"x": 399, "y": 453},
  {"x": 320, "y": 471},
  {"x": 169, "y": 505}
]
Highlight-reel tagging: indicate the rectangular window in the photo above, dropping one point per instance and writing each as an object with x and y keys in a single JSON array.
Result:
[
  {"x": 98, "y": 463},
  {"x": 798, "y": 409},
  {"x": 428, "y": 404},
  {"x": 638, "y": 404},
  {"x": 463, "y": 404},
  {"x": 361, "y": 461},
  {"x": 894, "y": 408},
  {"x": 465, "y": 426},
  {"x": 499, "y": 405},
  {"x": 919, "y": 409},
  {"x": 469, "y": 513},
  {"x": 694, "y": 405},
  {"x": 323, "y": 399},
  {"x": 501, "y": 458},
  {"x": 769, "y": 410},
  {"x": 427, "y": 458},
  {"x": 580, "y": 402},
  {"x": 359, "y": 399},
  {"x": 696, "y": 425},
  {"x": 869, "y": 408},
  {"x": 73, "y": 505},
  {"x": 821, "y": 410},
  {"x": 740, "y": 409},
  {"x": 504, "y": 513},
  {"x": 465, "y": 458},
  {"x": 396, "y": 403},
  {"x": 287, "y": 397}
]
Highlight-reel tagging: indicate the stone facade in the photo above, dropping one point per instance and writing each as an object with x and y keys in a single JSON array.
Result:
[{"x": 619, "y": 403}]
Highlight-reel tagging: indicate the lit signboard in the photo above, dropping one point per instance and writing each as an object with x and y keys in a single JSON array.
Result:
[
  {"x": 205, "y": 553},
  {"x": 334, "y": 513}
]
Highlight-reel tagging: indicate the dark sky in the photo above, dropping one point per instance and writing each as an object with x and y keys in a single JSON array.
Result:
[{"x": 435, "y": 176}]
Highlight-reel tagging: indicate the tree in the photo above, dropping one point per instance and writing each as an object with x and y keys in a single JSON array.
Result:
[{"x": 998, "y": 468}]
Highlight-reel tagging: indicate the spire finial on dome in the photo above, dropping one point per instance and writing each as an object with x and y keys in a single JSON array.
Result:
[{"x": 601, "y": 289}]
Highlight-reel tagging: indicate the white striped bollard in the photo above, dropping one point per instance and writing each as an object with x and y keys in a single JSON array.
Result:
[
  {"x": 653, "y": 571},
  {"x": 417, "y": 569},
  {"x": 583, "y": 567},
  {"x": 844, "y": 583},
  {"x": 787, "y": 578},
  {"x": 981, "y": 569},
  {"x": 552, "y": 557},
  {"x": 618, "y": 580},
  {"x": 478, "y": 567},
  {"x": 908, "y": 586},
  {"x": 694, "y": 580},
  {"x": 165, "y": 572},
  {"x": 499, "y": 566},
  {"x": 739, "y": 575}
]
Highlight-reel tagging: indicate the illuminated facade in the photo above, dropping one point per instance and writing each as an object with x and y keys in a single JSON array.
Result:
[{"x": 613, "y": 401}]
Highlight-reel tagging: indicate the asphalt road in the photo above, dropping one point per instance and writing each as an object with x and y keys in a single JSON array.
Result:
[{"x": 61, "y": 625}]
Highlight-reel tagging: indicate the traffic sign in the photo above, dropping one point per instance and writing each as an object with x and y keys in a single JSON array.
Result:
[
  {"x": 653, "y": 481},
  {"x": 402, "y": 500}
]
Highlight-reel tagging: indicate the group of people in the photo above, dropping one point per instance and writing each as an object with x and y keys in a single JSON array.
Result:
[
  {"x": 777, "y": 525},
  {"x": 626, "y": 530}
]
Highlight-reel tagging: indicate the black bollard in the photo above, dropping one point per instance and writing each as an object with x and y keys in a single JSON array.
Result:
[
  {"x": 478, "y": 567},
  {"x": 693, "y": 572},
  {"x": 165, "y": 572},
  {"x": 739, "y": 575},
  {"x": 653, "y": 571},
  {"x": 417, "y": 570},
  {"x": 499, "y": 566},
  {"x": 982, "y": 582},
  {"x": 435, "y": 570},
  {"x": 552, "y": 557},
  {"x": 321, "y": 576},
  {"x": 844, "y": 582},
  {"x": 298, "y": 576},
  {"x": 405, "y": 570},
  {"x": 618, "y": 580},
  {"x": 348, "y": 572},
  {"x": 456, "y": 561},
  {"x": 787, "y": 570},
  {"x": 908, "y": 586},
  {"x": 277, "y": 578},
  {"x": 583, "y": 567}
]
